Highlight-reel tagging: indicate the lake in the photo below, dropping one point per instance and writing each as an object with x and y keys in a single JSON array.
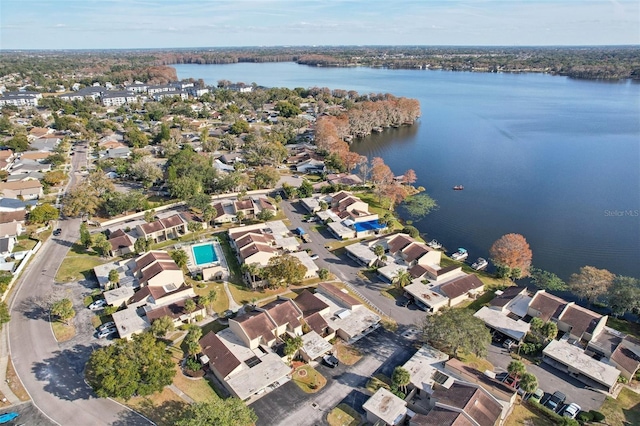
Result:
[{"x": 554, "y": 159}]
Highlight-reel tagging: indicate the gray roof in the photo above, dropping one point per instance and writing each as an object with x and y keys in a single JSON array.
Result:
[
  {"x": 12, "y": 203},
  {"x": 4, "y": 244}
]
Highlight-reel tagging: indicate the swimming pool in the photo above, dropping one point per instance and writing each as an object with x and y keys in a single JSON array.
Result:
[{"x": 204, "y": 254}]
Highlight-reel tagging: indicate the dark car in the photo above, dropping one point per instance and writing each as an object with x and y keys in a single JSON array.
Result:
[
  {"x": 556, "y": 400},
  {"x": 57, "y": 232},
  {"x": 404, "y": 301},
  {"x": 330, "y": 360}
]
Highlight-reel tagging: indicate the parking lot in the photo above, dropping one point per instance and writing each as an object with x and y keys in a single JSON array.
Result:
[
  {"x": 551, "y": 380},
  {"x": 382, "y": 352}
]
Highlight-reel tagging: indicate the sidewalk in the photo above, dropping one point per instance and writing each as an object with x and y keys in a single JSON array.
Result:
[{"x": 4, "y": 361}]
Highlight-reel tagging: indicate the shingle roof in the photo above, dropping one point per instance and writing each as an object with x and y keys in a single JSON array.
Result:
[
  {"x": 580, "y": 319},
  {"x": 316, "y": 322},
  {"x": 150, "y": 228},
  {"x": 547, "y": 304},
  {"x": 120, "y": 241},
  {"x": 172, "y": 221},
  {"x": 460, "y": 286},
  {"x": 220, "y": 357},
  {"x": 626, "y": 359},
  {"x": 415, "y": 250},
  {"x": 28, "y": 184},
  {"x": 309, "y": 304},
  {"x": 508, "y": 294},
  {"x": 283, "y": 312},
  {"x": 244, "y": 205},
  {"x": 253, "y": 248},
  {"x": 478, "y": 405},
  {"x": 253, "y": 238},
  {"x": 8, "y": 217},
  {"x": 439, "y": 416},
  {"x": 173, "y": 310},
  {"x": 338, "y": 294},
  {"x": 150, "y": 257},
  {"x": 398, "y": 242},
  {"x": 157, "y": 267},
  {"x": 256, "y": 324}
]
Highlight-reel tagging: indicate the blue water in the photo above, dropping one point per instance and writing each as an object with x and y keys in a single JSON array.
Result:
[
  {"x": 204, "y": 254},
  {"x": 549, "y": 157}
]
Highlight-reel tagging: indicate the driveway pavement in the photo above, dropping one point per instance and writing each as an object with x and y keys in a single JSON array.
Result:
[
  {"x": 286, "y": 405},
  {"x": 51, "y": 372},
  {"x": 551, "y": 380},
  {"x": 348, "y": 270}
]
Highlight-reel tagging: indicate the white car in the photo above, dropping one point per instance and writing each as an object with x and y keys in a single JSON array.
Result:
[
  {"x": 314, "y": 257},
  {"x": 572, "y": 410},
  {"x": 106, "y": 332},
  {"x": 107, "y": 325},
  {"x": 98, "y": 304}
]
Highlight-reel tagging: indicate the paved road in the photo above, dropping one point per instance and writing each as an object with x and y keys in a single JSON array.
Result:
[
  {"x": 551, "y": 380},
  {"x": 286, "y": 405},
  {"x": 347, "y": 270},
  {"x": 49, "y": 371}
]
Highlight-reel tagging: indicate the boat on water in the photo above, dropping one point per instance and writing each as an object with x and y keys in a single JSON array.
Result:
[
  {"x": 458, "y": 187},
  {"x": 479, "y": 264},
  {"x": 461, "y": 254},
  {"x": 434, "y": 244}
]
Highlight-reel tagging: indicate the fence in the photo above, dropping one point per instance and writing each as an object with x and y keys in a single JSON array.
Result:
[
  {"x": 367, "y": 301},
  {"x": 19, "y": 269}
]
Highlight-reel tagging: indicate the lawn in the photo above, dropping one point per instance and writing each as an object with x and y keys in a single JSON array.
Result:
[
  {"x": 625, "y": 410},
  {"x": 163, "y": 408},
  {"x": 24, "y": 243},
  {"x": 481, "y": 301},
  {"x": 521, "y": 415},
  {"x": 230, "y": 257},
  {"x": 343, "y": 415},
  {"x": 214, "y": 326},
  {"x": 625, "y": 326},
  {"x": 15, "y": 384},
  {"x": 221, "y": 303},
  {"x": 77, "y": 264},
  {"x": 308, "y": 379},
  {"x": 378, "y": 381},
  {"x": 63, "y": 332},
  {"x": 242, "y": 294},
  {"x": 490, "y": 282},
  {"x": 347, "y": 355},
  {"x": 381, "y": 208},
  {"x": 474, "y": 361},
  {"x": 199, "y": 390}
]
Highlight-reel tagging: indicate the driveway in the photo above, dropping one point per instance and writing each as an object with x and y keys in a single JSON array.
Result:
[
  {"x": 551, "y": 380},
  {"x": 51, "y": 372},
  {"x": 382, "y": 352},
  {"x": 346, "y": 269}
]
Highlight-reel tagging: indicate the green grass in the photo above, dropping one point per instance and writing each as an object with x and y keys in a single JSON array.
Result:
[
  {"x": 76, "y": 266},
  {"x": 343, "y": 415},
  {"x": 521, "y": 415},
  {"x": 230, "y": 257},
  {"x": 221, "y": 303},
  {"x": 381, "y": 208},
  {"x": 62, "y": 331},
  {"x": 199, "y": 390},
  {"x": 625, "y": 410},
  {"x": 378, "y": 381},
  {"x": 163, "y": 408},
  {"x": 24, "y": 243},
  {"x": 625, "y": 326},
  {"x": 214, "y": 326},
  {"x": 474, "y": 361},
  {"x": 481, "y": 301},
  {"x": 242, "y": 294},
  {"x": 308, "y": 379}
]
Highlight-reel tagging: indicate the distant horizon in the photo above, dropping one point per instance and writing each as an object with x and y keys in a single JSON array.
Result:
[
  {"x": 597, "y": 46},
  {"x": 176, "y": 24}
]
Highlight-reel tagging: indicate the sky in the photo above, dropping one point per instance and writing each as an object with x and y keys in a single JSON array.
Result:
[{"x": 128, "y": 24}]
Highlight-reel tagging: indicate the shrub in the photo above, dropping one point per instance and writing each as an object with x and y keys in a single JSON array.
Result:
[
  {"x": 192, "y": 364},
  {"x": 412, "y": 231},
  {"x": 597, "y": 416},
  {"x": 585, "y": 416}
]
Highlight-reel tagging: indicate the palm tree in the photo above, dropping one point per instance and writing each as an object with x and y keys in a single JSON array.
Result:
[
  {"x": 402, "y": 278},
  {"x": 208, "y": 299},
  {"x": 252, "y": 270},
  {"x": 516, "y": 369},
  {"x": 401, "y": 378},
  {"x": 378, "y": 250},
  {"x": 529, "y": 383}
]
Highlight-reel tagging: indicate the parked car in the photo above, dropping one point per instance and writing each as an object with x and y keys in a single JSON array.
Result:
[
  {"x": 7, "y": 417},
  {"x": 330, "y": 360},
  {"x": 404, "y": 301},
  {"x": 98, "y": 304},
  {"x": 314, "y": 257},
  {"x": 107, "y": 325},
  {"x": 537, "y": 395},
  {"x": 106, "y": 332},
  {"x": 57, "y": 232},
  {"x": 556, "y": 400},
  {"x": 508, "y": 344},
  {"x": 571, "y": 410}
]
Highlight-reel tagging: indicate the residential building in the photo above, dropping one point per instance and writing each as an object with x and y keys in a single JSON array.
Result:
[
  {"x": 385, "y": 408},
  {"x": 157, "y": 268},
  {"x": 27, "y": 190},
  {"x": 117, "y": 98},
  {"x": 6, "y": 245},
  {"x": 121, "y": 243},
  {"x": 171, "y": 227}
]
